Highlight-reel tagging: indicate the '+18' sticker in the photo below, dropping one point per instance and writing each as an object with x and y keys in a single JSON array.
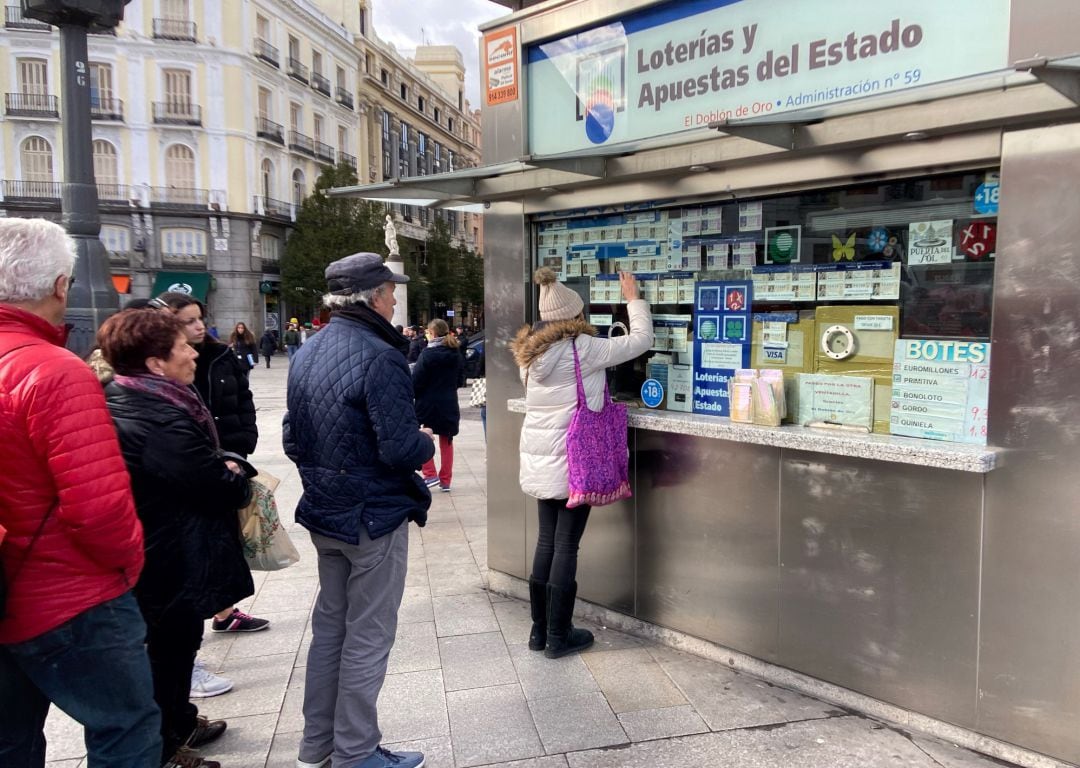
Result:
[{"x": 652, "y": 393}]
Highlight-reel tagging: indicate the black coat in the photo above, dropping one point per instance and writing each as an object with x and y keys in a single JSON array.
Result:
[
  {"x": 267, "y": 344},
  {"x": 352, "y": 431},
  {"x": 242, "y": 350},
  {"x": 416, "y": 346},
  {"x": 436, "y": 378},
  {"x": 187, "y": 500},
  {"x": 223, "y": 384}
]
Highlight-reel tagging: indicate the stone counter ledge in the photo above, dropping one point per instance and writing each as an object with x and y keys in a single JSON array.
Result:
[{"x": 902, "y": 450}]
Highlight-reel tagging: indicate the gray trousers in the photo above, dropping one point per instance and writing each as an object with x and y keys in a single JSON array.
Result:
[{"x": 352, "y": 630}]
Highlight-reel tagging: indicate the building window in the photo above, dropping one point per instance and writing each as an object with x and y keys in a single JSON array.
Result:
[
  {"x": 180, "y": 167},
  {"x": 317, "y": 121},
  {"x": 262, "y": 29},
  {"x": 363, "y": 22},
  {"x": 450, "y": 124},
  {"x": 298, "y": 187},
  {"x": 105, "y": 165},
  {"x": 294, "y": 48},
  {"x": 117, "y": 240},
  {"x": 177, "y": 91},
  {"x": 460, "y": 101},
  {"x": 420, "y": 103},
  {"x": 387, "y": 147},
  {"x": 342, "y": 139},
  {"x": 316, "y": 62},
  {"x": 183, "y": 242},
  {"x": 438, "y": 158},
  {"x": 404, "y": 92},
  {"x": 403, "y": 152},
  {"x": 101, "y": 90},
  {"x": 175, "y": 10},
  {"x": 450, "y": 159},
  {"x": 266, "y": 104},
  {"x": 296, "y": 117},
  {"x": 384, "y": 76},
  {"x": 34, "y": 77},
  {"x": 267, "y": 178},
  {"x": 435, "y": 115},
  {"x": 341, "y": 78},
  {"x": 270, "y": 247},
  {"x": 37, "y": 160}
]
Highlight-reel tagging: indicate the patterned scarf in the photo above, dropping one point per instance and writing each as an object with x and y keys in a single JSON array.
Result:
[{"x": 182, "y": 396}]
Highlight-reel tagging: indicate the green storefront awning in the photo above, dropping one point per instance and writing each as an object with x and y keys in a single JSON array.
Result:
[{"x": 193, "y": 283}]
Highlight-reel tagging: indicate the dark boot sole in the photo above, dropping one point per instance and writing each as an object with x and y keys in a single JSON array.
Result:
[
  {"x": 566, "y": 651},
  {"x": 537, "y": 646}
]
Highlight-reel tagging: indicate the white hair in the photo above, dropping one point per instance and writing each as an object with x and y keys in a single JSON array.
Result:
[
  {"x": 33, "y": 253},
  {"x": 333, "y": 301}
]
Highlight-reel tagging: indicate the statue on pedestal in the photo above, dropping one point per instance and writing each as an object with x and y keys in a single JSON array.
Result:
[{"x": 391, "y": 239}]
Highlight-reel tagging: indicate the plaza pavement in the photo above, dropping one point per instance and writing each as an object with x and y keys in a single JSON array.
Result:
[{"x": 464, "y": 688}]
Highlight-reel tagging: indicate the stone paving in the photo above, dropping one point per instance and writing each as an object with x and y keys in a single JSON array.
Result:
[{"x": 464, "y": 688}]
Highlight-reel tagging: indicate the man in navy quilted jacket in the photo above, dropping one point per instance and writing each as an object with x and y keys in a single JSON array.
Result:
[{"x": 351, "y": 430}]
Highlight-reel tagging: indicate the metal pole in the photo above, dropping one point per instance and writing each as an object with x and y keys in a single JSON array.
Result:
[{"x": 93, "y": 297}]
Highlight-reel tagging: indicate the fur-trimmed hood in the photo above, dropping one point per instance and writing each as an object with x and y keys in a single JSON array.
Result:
[
  {"x": 530, "y": 344},
  {"x": 100, "y": 366}
]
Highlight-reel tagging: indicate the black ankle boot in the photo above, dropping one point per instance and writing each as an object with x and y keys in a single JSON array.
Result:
[
  {"x": 538, "y": 606},
  {"x": 562, "y": 637}
]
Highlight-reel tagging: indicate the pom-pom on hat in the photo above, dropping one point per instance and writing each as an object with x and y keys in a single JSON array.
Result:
[{"x": 557, "y": 302}]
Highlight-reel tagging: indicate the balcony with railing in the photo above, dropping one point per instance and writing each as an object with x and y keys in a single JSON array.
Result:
[
  {"x": 301, "y": 143},
  {"x": 175, "y": 29},
  {"x": 320, "y": 84},
  {"x": 344, "y": 97},
  {"x": 31, "y": 105},
  {"x": 267, "y": 52},
  {"x": 106, "y": 108},
  {"x": 14, "y": 19},
  {"x": 114, "y": 194},
  {"x": 183, "y": 259},
  {"x": 324, "y": 152},
  {"x": 177, "y": 113},
  {"x": 268, "y": 129},
  {"x": 268, "y": 206},
  {"x": 185, "y": 198},
  {"x": 17, "y": 191},
  {"x": 298, "y": 70},
  {"x": 345, "y": 157}
]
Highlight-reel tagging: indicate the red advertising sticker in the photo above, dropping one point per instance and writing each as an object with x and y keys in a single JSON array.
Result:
[{"x": 501, "y": 66}]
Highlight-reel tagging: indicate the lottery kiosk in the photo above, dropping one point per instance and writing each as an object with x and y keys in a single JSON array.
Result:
[{"x": 854, "y": 441}]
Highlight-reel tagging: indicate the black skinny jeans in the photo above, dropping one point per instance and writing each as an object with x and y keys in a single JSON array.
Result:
[
  {"x": 555, "y": 560},
  {"x": 172, "y": 640}
]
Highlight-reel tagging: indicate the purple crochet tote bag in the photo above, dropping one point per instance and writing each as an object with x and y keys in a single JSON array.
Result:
[{"x": 597, "y": 459}]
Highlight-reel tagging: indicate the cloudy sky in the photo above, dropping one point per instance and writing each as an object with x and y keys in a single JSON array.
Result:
[{"x": 408, "y": 23}]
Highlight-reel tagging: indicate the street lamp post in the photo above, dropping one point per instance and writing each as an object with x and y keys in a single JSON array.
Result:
[{"x": 93, "y": 297}]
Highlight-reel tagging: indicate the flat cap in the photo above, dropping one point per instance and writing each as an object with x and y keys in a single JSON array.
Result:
[{"x": 359, "y": 272}]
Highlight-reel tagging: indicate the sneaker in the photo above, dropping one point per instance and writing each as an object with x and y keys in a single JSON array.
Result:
[
  {"x": 185, "y": 758},
  {"x": 238, "y": 621},
  {"x": 445, "y": 488},
  {"x": 206, "y": 730},
  {"x": 205, "y": 683},
  {"x": 384, "y": 758},
  {"x": 321, "y": 764},
  {"x": 431, "y": 482}
]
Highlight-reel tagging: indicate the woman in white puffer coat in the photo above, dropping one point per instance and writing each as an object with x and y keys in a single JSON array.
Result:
[{"x": 544, "y": 354}]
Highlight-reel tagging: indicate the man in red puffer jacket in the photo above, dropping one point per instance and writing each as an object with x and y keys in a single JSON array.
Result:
[{"x": 71, "y": 632}]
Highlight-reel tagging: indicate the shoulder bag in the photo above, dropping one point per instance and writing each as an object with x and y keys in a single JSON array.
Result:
[{"x": 597, "y": 458}]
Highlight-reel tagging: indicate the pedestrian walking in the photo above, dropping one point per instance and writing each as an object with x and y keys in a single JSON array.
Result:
[
  {"x": 352, "y": 432},
  {"x": 70, "y": 629},
  {"x": 242, "y": 343},
  {"x": 186, "y": 494},
  {"x": 438, "y": 373},
  {"x": 416, "y": 344},
  {"x": 222, "y": 382},
  {"x": 292, "y": 340},
  {"x": 267, "y": 345},
  {"x": 545, "y": 355}
]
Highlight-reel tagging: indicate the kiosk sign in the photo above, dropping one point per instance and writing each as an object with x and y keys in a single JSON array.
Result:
[
  {"x": 722, "y": 332},
  {"x": 940, "y": 390},
  {"x": 680, "y": 65}
]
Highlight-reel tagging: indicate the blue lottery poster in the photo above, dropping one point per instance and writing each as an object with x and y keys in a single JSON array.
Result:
[{"x": 722, "y": 332}]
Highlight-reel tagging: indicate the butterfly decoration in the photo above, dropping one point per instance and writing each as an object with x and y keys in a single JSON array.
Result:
[{"x": 843, "y": 250}]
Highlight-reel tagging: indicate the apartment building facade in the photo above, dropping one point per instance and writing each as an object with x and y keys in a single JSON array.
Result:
[{"x": 211, "y": 122}]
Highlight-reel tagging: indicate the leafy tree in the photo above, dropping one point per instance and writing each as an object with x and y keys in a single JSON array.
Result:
[{"x": 327, "y": 228}]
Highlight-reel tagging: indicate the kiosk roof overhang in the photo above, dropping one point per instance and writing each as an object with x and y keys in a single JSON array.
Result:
[{"x": 1030, "y": 90}]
